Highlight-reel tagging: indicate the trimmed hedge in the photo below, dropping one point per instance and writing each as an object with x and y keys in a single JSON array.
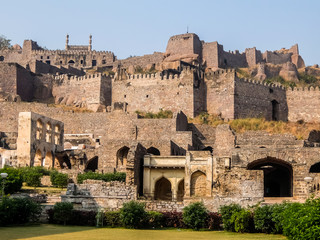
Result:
[
  {"x": 13, "y": 182},
  {"x": 133, "y": 215},
  {"x": 107, "y": 177},
  {"x": 18, "y": 211},
  {"x": 59, "y": 179}
]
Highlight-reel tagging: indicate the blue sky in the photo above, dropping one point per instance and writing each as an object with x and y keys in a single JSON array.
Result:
[{"x": 142, "y": 27}]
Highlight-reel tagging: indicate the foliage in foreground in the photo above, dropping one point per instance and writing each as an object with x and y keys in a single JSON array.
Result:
[
  {"x": 13, "y": 182},
  {"x": 195, "y": 215},
  {"x": 107, "y": 177},
  {"x": 62, "y": 212},
  {"x": 18, "y": 211},
  {"x": 133, "y": 214},
  {"x": 59, "y": 179}
]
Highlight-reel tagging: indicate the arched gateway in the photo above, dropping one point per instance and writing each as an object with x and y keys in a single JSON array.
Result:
[{"x": 277, "y": 176}]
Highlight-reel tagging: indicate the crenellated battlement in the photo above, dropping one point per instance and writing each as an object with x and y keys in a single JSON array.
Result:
[
  {"x": 70, "y": 52},
  {"x": 79, "y": 78},
  {"x": 271, "y": 85},
  {"x": 303, "y": 89},
  {"x": 154, "y": 76},
  {"x": 220, "y": 72}
]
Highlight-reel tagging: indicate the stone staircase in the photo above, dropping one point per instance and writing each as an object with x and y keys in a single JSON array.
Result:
[{"x": 51, "y": 200}]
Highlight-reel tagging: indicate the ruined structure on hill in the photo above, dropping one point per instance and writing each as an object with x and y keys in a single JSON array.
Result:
[{"x": 164, "y": 159}]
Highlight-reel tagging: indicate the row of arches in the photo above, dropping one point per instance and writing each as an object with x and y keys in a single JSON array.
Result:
[
  {"x": 48, "y": 131},
  {"x": 164, "y": 189},
  {"x": 122, "y": 155}
]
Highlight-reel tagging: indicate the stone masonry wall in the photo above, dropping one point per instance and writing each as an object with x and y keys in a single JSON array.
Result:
[
  {"x": 88, "y": 91},
  {"x": 150, "y": 93},
  {"x": 303, "y": 104},
  {"x": 220, "y": 93},
  {"x": 254, "y": 99}
]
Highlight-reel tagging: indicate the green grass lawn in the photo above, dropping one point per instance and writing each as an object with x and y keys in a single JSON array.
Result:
[{"x": 46, "y": 231}]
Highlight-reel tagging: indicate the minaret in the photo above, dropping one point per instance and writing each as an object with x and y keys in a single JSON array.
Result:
[
  {"x": 67, "y": 41},
  {"x": 90, "y": 42}
]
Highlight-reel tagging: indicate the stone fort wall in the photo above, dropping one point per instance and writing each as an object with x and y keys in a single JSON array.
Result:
[
  {"x": 303, "y": 104},
  {"x": 254, "y": 99},
  {"x": 150, "y": 93},
  {"x": 88, "y": 91}
]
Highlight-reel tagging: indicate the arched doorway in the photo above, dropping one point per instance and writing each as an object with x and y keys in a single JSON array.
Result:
[
  {"x": 153, "y": 151},
  {"x": 122, "y": 156},
  {"x": 48, "y": 160},
  {"x": 163, "y": 190},
  {"x": 198, "y": 184},
  {"x": 275, "y": 110},
  {"x": 277, "y": 176},
  {"x": 315, "y": 168},
  {"x": 92, "y": 164},
  {"x": 70, "y": 62},
  {"x": 1, "y": 58},
  {"x": 37, "y": 159},
  {"x": 180, "y": 192}
]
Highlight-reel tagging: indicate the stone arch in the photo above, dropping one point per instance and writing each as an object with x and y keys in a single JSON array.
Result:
[
  {"x": 122, "y": 156},
  {"x": 278, "y": 179},
  {"x": 275, "y": 110},
  {"x": 39, "y": 130},
  {"x": 315, "y": 168},
  {"x": 57, "y": 133},
  {"x": 48, "y": 160},
  {"x": 92, "y": 164},
  {"x": 37, "y": 158},
  {"x": 163, "y": 189},
  {"x": 71, "y": 61},
  {"x": 153, "y": 151},
  {"x": 48, "y": 132},
  {"x": 62, "y": 161},
  {"x": 180, "y": 192},
  {"x": 198, "y": 184},
  {"x": 1, "y": 58}
]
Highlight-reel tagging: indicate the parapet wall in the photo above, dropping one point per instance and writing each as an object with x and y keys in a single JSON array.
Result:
[
  {"x": 303, "y": 104},
  {"x": 254, "y": 99},
  {"x": 220, "y": 93},
  {"x": 150, "y": 93},
  {"x": 87, "y": 91}
]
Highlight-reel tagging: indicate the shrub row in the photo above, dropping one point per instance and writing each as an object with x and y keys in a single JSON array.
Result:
[
  {"x": 294, "y": 220},
  {"x": 13, "y": 182},
  {"x": 107, "y": 177},
  {"x": 18, "y": 211},
  {"x": 59, "y": 179},
  {"x": 134, "y": 215}
]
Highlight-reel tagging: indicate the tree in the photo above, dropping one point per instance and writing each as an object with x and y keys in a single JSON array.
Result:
[{"x": 4, "y": 42}]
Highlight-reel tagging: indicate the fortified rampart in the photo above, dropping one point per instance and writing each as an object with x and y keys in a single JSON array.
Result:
[
  {"x": 16, "y": 80},
  {"x": 303, "y": 104},
  {"x": 89, "y": 91},
  {"x": 152, "y": 92}
]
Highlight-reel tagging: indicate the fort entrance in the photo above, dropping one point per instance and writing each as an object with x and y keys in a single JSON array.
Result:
[{"x": 277, "y": 176}]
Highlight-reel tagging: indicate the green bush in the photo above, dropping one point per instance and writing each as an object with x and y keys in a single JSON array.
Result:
[
  {"x": 32, "y": 178},
  {"x": 59, "y": 179},
  {"x": 18, "y": 211},
  {"x": 195, "y": 215},
  {"x": 226, "y": 213},
  {"x": 302, "y": 221},
  {"x": 62, "y": 212},
  {"x": 278, "y": 217},
  {"x": 242, "y": 221},
  {"x": 155, "y": 219},
  {"x": 133, "y": 214},
  {"x": 308, "y": 79},
  {"x": 112, "y": 218},
  {"x": 107, "y": 177},
  {"x": 263, "y": 219},
  {"x": 13, "y": 182}
]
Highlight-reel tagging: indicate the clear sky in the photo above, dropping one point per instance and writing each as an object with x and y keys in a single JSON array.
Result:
[{"x": 144, "y": 26}]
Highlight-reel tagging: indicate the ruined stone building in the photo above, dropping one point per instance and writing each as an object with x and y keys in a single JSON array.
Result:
[{"x": 164, "y": 159}]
